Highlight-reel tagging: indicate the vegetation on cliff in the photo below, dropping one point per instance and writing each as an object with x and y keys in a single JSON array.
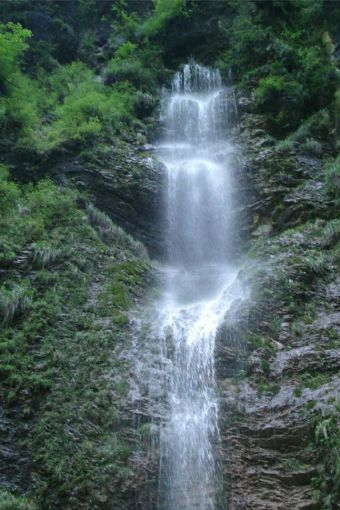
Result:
[
  {"x": 84, "y": 76},
  {"x": 68, "y": 279},
  {"x": 81, "y": 71}
]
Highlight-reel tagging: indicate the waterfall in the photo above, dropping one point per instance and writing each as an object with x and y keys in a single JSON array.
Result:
[{"x": 199, "y": 277}]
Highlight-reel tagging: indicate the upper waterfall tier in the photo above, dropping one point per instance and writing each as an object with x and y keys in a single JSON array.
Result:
[
  {"x": 199, "y": 110},
  {"x": 197, "y": 116},
  {"x": 195, "y": 78}
]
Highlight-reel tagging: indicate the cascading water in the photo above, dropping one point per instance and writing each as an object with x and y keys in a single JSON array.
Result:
[{"x": 199, "y": 278}]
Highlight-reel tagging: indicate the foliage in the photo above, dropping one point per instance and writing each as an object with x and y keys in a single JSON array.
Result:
[
  {"x": 13, "y": 43},
  {"x": 112, "y": 232},
  {"x": 332, "y": 174},
  {"x": 327, "y": 481},
  {"x": 15, "y": 300},
  {"x": 18, "y": 104},
  {"x": 68, "y": 106},
  {"x": 249, "y": 40},
  {"x": 164, "y": 10},
  {"x": 71, "y": 277},
  {"x": 314, "y": 381},
  {"x": 140, "y": 66},
  {"x": 306, "y": 137},
  {"x": 267, "y": 388},
  {"x": 85, "y": 115},
  {"x": 9, "y": 192},
  {"x": 10, "y": 501},
  {"x": 127, "y": 66},
  {"x": 292, "y": 67},
  {"x": 270, "y": 48},
  {"x": 312, "y": 147},
  {"x": 280, "y": 98},
  {"x": 23, "y": 106}
]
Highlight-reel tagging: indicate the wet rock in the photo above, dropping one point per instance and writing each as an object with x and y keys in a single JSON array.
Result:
[
  {"x": 287, "y": 334},
  {"x": 305, "y": 358},
  {"x": 285, "y": 187},
  {"x": 266, "y": 463}
]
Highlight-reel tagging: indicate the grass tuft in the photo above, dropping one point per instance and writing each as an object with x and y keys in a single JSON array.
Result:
[
  {"x": 14, "y": 301},
  {"x": 112, "y": 232}
]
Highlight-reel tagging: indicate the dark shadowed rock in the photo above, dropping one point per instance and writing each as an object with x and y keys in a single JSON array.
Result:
[{"x": 127, "y": 185}]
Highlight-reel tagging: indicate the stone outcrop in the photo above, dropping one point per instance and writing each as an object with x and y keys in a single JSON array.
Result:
[
  {"x": 124, "y": 180},
  {"x": 278, "y": 352},
  {"x": 127, "y": 184}
]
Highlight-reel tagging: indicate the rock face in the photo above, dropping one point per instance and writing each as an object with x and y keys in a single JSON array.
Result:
[
  {"x": 67, "y": 429},
  {"x": 123, "y": 180},
  {"x": 267, "y": 434},
  {"x": 278, "y": 353},
  {"x": 126, "y": 183}
]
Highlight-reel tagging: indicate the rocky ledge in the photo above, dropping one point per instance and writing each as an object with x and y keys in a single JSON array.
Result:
[
  {"x": 278, "y": 352},
  {"x": 126, "y": 183}
]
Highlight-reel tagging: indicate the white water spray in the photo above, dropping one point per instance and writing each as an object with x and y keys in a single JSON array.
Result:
[{"x": 199, "y": 280}]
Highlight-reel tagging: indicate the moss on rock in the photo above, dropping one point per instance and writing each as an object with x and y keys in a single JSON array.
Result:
[{"x": 65, "y": 300}]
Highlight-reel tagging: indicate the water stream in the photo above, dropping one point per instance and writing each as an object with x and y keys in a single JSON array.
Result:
[{"x": 199, "y": 282}]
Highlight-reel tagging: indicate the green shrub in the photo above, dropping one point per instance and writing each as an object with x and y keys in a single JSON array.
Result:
[
  {"x": 313, "y": 381},
  {"x": 317, "y": 125},
  {"x": 327, "y": 480},
  {"x": 164, "y": 10},
  {"x": 49, "y": 206},
  {"x": 281, "y": 98},
  {"x": 293, "y": 464},
  {"x": 332, "y": 176},
  {"x": 312, "y": 146},
  {"x": 293, "y": 67},
  {"x": 13, "y": 43},
  {"x": 87, "y": 113},
  {"x": 44, "y": 253},
  {"x": 144, "y": 104},
  {"x": 267, "y": 388},
  {"x": 15, "y": 300},
  {"x": 318, "y": 75},
  {"x": 10, "y": 501},
  {"x": 76, "y": 120},
  {"x": 265, "y": 367},
  {"x": 332, "y": 232},
  {"x": 317, "y": 263},
  {"x": 68, "y": 79},
  {"x": 71, "y": 105},
  {"x": 112, "y": 232},
  {"x": 130, "y": 69},
  {"x": 19, "y": 106},
  {"x": 23, "y": 108},
  {"x": 9, "y": 192},
  {"x": 285, "y": 145},
  {"x": 297, "y": 392},
  {"x": 249, "y": 40}
]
